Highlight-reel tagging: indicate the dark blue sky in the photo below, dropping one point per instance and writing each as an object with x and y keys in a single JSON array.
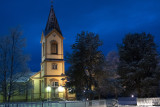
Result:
[{"x": 111, "y": 19}]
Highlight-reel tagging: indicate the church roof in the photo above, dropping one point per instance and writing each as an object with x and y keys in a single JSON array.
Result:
[{"x": 52, "y": 22}]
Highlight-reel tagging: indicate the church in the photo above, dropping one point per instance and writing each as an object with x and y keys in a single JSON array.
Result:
[{"x": 49, "y": 82}]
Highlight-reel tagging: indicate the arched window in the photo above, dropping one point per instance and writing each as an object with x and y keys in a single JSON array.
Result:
[{"x": 54, "y": 47}]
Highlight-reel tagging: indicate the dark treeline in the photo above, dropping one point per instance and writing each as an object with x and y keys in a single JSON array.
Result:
[{"x": 133, "y": 70}]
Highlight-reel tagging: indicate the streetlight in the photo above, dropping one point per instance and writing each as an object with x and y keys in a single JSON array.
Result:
[
  {"x": 48, "y": 90},
  {"x": 132, "y": 95}
]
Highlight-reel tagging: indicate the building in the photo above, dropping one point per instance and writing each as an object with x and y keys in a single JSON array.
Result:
[
  {"x": 49, "y": 82},
  {"x": 52, "y": 73}
]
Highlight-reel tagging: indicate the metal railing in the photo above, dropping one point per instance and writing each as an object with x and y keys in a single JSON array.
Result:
[
  {"x": 93, "y": 103},
  {"x": 148, "y": 101}
]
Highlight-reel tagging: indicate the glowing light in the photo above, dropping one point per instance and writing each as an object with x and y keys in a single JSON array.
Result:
[
  {"x": 48, "y": 89},
  {"x": 132, "y": 95},
  {"x": 60, "y": 89}
]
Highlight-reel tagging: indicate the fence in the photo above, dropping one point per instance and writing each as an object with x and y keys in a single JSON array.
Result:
[
  {"x": 148, "y": 101},
  {"x": 139, "y": 102},
  {"x": 93, "y": 103}
]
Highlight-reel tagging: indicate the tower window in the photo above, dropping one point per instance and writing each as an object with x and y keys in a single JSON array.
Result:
[
  {"x": 54, "y": 47},
  {"x": 54, "y": 66}
]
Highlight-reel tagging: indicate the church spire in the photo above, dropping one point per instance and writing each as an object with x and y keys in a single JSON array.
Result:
[{"x": 52, "y": 22}]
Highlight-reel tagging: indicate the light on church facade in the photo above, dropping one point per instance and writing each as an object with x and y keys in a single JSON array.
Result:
[
  {"x": 61, "y": 89},
  {"x": 48, "y": 89}
]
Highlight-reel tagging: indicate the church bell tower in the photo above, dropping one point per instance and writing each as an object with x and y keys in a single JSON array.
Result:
[{"x": 52, "y": 59}]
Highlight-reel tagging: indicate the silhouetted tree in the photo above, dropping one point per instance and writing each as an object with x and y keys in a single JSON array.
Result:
[
  {"x": 12, "y": 63},
  {"x": 83, "y": 60},
  {"x": 108, "y": 84},
  {"x": 138, "y": 61}
]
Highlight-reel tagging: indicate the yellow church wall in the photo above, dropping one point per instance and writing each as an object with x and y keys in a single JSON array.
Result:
[
  {"x": 59, "y": 56},
  {"x": 38, "y": 75},
  {"x": 43, "y": 68},
  {"x": 43, "y": 58},
  {"x": 58, "y": 71},
  {"x": 36, "y": 88},
  {"x": 48, "y": 46},
  {"x": 50, "y": 83},
  {"x": 43, "y": 86},
  {"x": 43, "y": 49},
  {"x": 61, "y": 83}
]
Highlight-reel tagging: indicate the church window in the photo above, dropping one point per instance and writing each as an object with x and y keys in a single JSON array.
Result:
[
  {"x": 54, "y": 66},
  {"x": 54, "y": 47},
  {"x": 55, "y": 84}
]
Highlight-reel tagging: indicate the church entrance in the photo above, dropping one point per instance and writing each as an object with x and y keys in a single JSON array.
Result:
[
  {"x": 54, "y": 92},
  {"x": 54, "y": 84}
]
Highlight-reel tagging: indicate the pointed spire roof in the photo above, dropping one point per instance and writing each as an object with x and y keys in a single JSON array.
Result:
[{"x": 52, "y": 22}]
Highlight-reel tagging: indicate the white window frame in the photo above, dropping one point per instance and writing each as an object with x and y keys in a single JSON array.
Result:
[
  {"x": 54, "y": 84},
  {"x": 54, "y": 66}
]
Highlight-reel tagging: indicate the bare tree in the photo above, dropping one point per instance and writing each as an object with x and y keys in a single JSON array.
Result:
[
  {"x": 4, "y": 41},
  {"x": 12, "y": 62}
]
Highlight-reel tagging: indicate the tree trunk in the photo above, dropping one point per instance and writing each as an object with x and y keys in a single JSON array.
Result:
[
  {"x": 116, "y": 97},
  {"x": 139, "y": 91},
  {"x": 5, "y": 77},
  {"x": 26, "y": 90},
  {"x": 99, "y": 96},
  {"x": 11, "y": 72}
]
